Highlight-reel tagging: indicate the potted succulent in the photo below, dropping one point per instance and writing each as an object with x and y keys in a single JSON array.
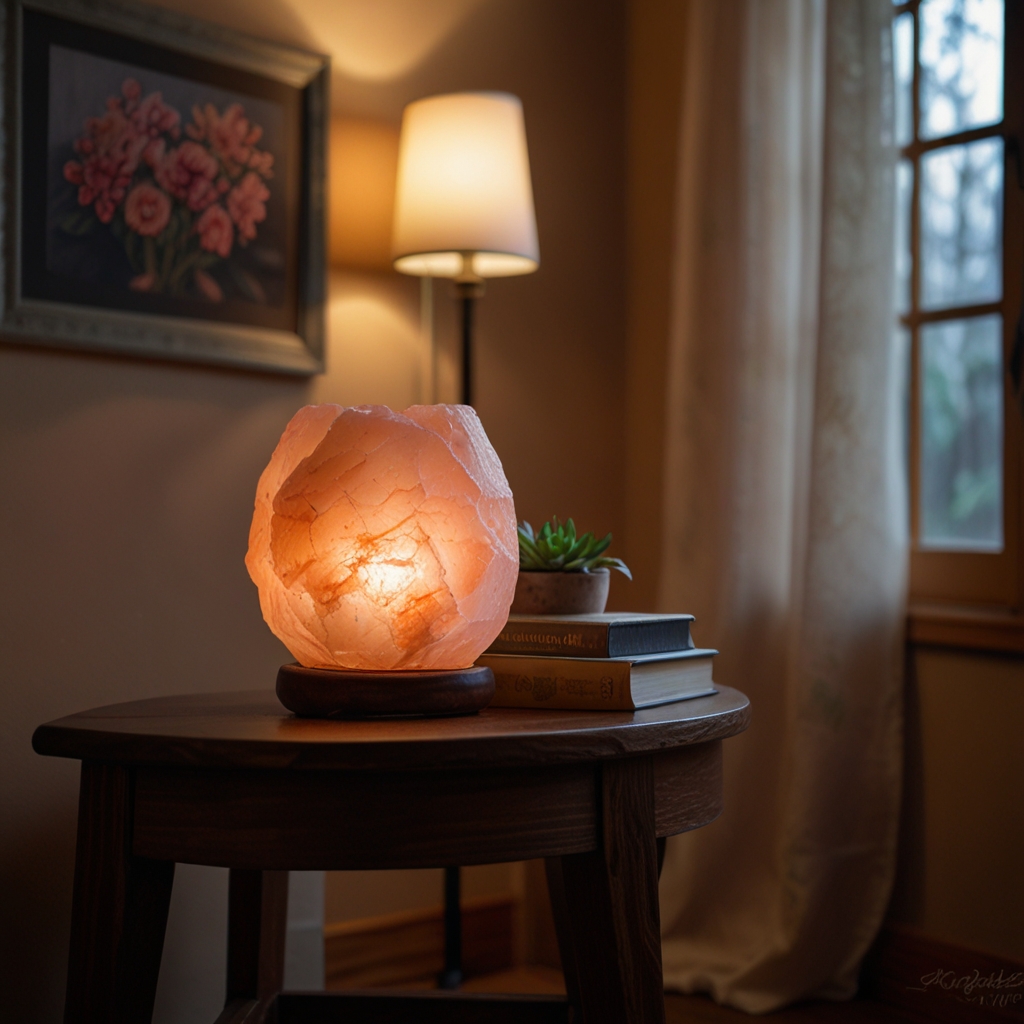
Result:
[{"x": 561, "y": 573}]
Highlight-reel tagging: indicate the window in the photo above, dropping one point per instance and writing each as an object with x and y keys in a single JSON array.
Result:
[{"x": 959, "y": 269}]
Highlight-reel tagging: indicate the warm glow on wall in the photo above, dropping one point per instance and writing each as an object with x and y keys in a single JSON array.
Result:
[
  {"x": 363, "y": 165},
  {"x": 380, "y": 40},
  {"x": 384, "y": 540}
]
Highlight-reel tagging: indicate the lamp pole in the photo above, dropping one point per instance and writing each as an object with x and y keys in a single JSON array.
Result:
[
  {"x": 451, "y": 976},
  {"x": 468, "y": 289}
]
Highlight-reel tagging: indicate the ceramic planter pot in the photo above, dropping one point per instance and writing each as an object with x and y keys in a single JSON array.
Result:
[{"x": 561, "y": 593}]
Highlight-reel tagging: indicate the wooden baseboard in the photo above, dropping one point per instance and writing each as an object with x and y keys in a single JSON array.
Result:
[
  {"x": 407, "y": 949},
  {"x": 934, "y": 981},
  {"x": 923, "y": 978},
  {"x": 992, "y": 630}
]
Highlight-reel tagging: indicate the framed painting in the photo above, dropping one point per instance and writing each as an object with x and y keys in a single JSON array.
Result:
[{"x": 163, "y": 187}]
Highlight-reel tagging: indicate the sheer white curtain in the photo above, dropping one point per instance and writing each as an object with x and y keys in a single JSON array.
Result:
[{"x": 785, "y": 522}]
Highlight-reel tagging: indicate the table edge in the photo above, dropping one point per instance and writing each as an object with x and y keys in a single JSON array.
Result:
[{"x": 61, "y": 738}]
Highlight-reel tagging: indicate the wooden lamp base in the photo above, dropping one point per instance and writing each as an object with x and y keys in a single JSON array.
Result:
[{"x": 351, "y": 693}]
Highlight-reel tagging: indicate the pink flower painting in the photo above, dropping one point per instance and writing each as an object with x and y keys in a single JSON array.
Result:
[
  {"x": 246, "y": 204},
  {"x": 180, "y": 197},
  {"x": 188, "y": 173},
  {"x": 216, "y": 232},
  {"x": 147, "y": 210}
]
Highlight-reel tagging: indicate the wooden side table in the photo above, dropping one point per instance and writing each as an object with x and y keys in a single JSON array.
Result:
[{"x": 233, "y": 780}]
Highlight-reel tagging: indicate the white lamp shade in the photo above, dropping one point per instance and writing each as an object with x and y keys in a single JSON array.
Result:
[{"x": 464, "y": 188}]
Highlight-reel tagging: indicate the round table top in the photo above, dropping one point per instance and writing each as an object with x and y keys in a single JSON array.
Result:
[{"x": 250, "y": 729}]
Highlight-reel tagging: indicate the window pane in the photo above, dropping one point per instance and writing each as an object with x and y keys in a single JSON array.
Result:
[
  {"x": 962, "y": 224},
  {"x": 961, "y": 65},
  {"x": 904, "y": 192},
  {"x": 903, "y": 68},
  {"x": 961, "y": 434}
]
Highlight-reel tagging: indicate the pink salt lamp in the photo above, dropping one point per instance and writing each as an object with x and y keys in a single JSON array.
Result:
[{"x": 384, "y": 549}]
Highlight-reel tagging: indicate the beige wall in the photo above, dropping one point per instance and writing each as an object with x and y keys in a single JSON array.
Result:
[
  {"x": 127, "y": 486},
  {"x": 961, "y": 875},
  {"x": 656, "y": 45}
]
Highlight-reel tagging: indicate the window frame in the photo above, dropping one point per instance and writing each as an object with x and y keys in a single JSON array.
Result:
[{"x": 974, "y": 578}]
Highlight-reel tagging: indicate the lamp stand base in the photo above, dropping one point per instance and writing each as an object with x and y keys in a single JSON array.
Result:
[{"x": 351, "y": 693}]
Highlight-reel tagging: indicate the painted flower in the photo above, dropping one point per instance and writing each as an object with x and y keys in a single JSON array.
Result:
[
  {"x": 153, "y": 117},
  {"x": 246, "y": 204},
  {"x": 262, "y": 162},
  {"x": 187, "y": 173},
  {"x": 131, "y": 90},
  {"x": 216, "y": 232},
  {"x": 106, "y": 206},
  {"x": 232, "y": 136},
  {"x": 109, "y": 153},
  {"x": 147, "y": 210}
]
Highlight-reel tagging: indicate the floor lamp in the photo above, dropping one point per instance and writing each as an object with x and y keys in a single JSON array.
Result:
[
  {"x": 463, "y": 210},
  {"x": 463, "y": 200}
]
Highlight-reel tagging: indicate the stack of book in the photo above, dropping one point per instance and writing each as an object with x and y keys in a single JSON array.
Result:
[{"x": 616, "y": 661}]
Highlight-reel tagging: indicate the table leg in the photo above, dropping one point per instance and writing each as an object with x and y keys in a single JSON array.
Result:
[
  {"x": 119, "y": 912},
  {"x": 257, "y": 922},
  {"x": 605, "y": 904},
  {"x": 451, "y": 973},
  {"x": 563, "y": 929}
]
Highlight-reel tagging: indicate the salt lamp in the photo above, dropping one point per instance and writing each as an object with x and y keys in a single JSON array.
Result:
[{"x": 384, "y": 548}]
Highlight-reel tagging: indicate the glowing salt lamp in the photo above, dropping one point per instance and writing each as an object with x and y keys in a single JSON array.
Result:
[{"x": 385, "y": 552}]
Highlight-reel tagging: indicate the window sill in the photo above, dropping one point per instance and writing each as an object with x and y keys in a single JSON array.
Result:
[{"x": 978, "y": 629}]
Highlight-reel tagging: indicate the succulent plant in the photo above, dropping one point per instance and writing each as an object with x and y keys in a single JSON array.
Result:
[{"x": 556, "y": 548}]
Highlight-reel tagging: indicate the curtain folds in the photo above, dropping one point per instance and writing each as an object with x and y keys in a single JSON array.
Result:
[{"x": 784, "y": 500}]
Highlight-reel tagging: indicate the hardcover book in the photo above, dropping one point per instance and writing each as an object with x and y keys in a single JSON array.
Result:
[
  {"x": 599, "y": 684},
  {"x": 607, "y": 635}
]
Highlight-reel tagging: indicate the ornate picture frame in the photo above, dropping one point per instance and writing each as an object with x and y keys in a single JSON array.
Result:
[{"x": 163, "y": 187}]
